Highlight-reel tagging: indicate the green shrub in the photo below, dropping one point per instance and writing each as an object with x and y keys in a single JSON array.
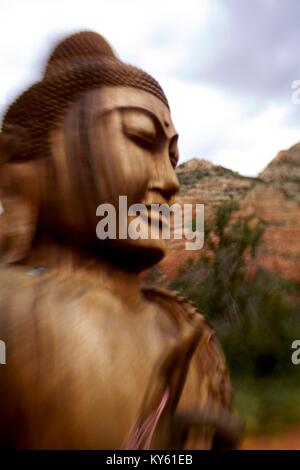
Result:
[{"x": 250, "y": 308}]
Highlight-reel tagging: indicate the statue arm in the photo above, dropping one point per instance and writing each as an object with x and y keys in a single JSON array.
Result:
[
  {"x": 204, "y": 415},
  {"x": 207, "y": 399}
]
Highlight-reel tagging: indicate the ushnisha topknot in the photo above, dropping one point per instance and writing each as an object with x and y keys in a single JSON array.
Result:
[{"x": 81, "y": 62}]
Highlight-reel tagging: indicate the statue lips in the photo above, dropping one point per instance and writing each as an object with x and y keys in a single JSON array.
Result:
[
  {"x": 154, "y": 198},
  {"x": 154, "y": 214}
]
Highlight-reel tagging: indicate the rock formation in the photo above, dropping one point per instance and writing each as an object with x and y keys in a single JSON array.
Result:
[{"x": 273, "y": 196}]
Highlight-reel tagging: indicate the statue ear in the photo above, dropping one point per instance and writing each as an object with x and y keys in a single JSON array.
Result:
[{"x": 19, "y": 196}]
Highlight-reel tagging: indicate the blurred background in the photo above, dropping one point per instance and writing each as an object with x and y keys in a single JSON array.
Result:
[{"x": 230, "y": 71}]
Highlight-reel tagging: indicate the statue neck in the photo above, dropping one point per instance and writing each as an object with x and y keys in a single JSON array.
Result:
[{"x": 69, "y": 261}]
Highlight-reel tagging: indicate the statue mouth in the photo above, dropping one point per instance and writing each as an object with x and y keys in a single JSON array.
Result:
[{"x": 156, "y": 217}]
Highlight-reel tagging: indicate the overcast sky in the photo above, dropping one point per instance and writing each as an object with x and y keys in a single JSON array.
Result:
[{"x": 227, "y": 66}]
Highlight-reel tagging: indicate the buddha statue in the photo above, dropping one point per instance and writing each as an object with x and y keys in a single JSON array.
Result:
[{"x": 94, "y": 360}]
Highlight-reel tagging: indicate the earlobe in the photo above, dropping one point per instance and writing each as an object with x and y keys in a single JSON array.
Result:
[
  {"x": 18, "y": 219},
  {"x": 17, "y": 228}
]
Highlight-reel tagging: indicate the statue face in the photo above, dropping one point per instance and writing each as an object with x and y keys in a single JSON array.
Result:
[{"x": 114, "y": 141}]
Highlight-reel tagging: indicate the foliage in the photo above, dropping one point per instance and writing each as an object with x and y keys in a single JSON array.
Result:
[{"x": 249, "y": 307}]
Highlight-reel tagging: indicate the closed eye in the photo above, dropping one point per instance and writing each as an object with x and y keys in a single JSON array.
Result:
[{"x": 143, "y": 139}]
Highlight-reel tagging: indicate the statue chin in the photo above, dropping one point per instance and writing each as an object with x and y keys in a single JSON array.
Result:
[
  {"x": 132, "y": 255},
  {"x": 128, "y": 254}
]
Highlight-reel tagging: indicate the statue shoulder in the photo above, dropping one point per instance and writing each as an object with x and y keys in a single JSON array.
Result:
[
  {"x": 177, "y": 305},
  {"x": 18, "y": 294}
]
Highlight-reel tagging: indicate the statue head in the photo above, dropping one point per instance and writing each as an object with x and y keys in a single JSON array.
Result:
[{"x": 93, "y": 129}]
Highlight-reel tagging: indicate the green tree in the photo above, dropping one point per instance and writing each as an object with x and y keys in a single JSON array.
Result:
[{"x": 247, "y": 305}]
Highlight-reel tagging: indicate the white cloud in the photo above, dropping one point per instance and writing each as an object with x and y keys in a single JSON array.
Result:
[
  {"x": 29, "y": 29},
  {"x": 256, "y": 141},
  {"x": 214, "y": 126}
]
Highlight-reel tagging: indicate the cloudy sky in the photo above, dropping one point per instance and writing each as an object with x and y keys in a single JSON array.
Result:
[{"x": 227, "y": 66}]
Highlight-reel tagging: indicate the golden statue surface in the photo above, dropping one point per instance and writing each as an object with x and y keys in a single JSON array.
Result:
[{"x": 94, "y": 360}]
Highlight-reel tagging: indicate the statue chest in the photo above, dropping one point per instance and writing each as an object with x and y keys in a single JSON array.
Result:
[{"x": 88, "y": 367}]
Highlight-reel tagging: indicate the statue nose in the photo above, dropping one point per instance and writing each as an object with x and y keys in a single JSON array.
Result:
[
  {"x": 165, "y": 179},
  {"x": 170, "y": 187}
]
